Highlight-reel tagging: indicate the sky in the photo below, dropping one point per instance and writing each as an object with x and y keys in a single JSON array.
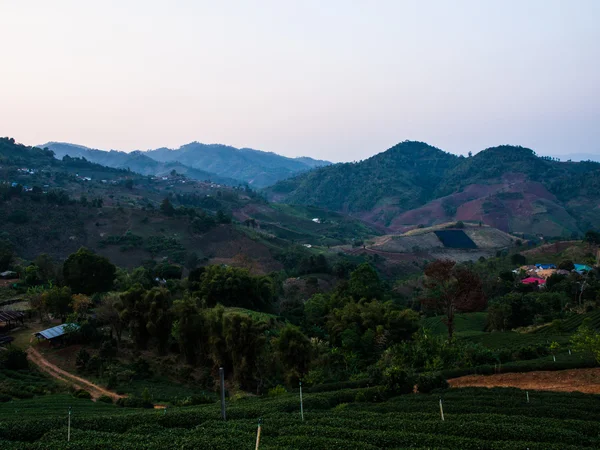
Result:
[{"x": 337, "y": 79}]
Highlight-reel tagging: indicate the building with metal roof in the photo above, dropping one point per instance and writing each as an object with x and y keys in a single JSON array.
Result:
[{"x": 58, "y": 331}]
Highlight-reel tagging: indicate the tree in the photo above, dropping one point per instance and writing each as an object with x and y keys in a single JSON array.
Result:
[
  {"x": 58, "y": 301},
  {"x": 192, "y": 261},
  {"x": 244, "y": 339},
  {"x": 135, "y": 315},
  {"x": 450, "y": 289},
  {"x": 592, "y": 237},
  {"x": 87, "y": 273},
  {"x": 167, "y": 208},
  {"x": 294, "y": 351},
  {"x": 6, "y": 254},
  {"x": 518, "y": 260},
  {"x": 566, "y": 264},
  {"x": 188, "y": 328},
  {"x": 110, "y": 311},
  {"x": 159, "y": 316},
  {"x": 80, "y": 303},
  {"x": 365, "y": 283},
  {"x": 587, "y": 339}
]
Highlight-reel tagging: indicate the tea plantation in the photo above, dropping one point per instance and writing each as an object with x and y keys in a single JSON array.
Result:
[{"x": 345, "y": 419}]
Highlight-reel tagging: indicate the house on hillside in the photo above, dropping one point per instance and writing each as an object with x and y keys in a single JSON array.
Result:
[
  {"x": 545, "y": 266},
  {"x": 56, "y": 334},
  {"x": 534, "y": 281},
  {"x": 582, "y": 269}
]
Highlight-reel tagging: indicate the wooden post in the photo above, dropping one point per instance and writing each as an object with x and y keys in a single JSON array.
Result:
[
  {"x": 222, "y": 376},
  {"x": 258, "y": 433},
  {"x": 527, "y": 392},
  {"x": 441, "y": 409},
  {"x": 69, "y": 427},
  {"x": 301, "y": 406}
]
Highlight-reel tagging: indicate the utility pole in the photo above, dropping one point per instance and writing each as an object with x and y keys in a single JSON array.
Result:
[{"x": 222, "y": 376}]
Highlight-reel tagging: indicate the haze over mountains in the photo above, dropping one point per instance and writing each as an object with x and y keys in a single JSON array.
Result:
[{"x": 217, "y": 162}]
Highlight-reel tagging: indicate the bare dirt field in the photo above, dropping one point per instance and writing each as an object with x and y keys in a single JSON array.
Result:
[{"x": 580, "y": 380}]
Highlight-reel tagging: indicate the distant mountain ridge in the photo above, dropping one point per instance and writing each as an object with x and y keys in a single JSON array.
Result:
[
  {"x": 413, "y": 183},
  {"x": 217, "y": 162}
]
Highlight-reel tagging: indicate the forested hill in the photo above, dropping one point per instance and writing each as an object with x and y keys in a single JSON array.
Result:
[
  {"x": 136, "y": 161},
  {"x": 220, "y": 163},
  {"x": 257, "y": 168},
  {"x": 413, "y": 183},
  {"x": 408, "y": 172}
]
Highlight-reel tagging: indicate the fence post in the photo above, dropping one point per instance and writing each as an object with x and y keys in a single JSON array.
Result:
[
  {"x": 441, "y": 409},
  {"x": 258, "y": 433},
  {"x": 69, "y": 427},
  {"x": 301, "y": 405},
  {"x": 222, "y": 376},
  {"x": 527, "y": 396}
]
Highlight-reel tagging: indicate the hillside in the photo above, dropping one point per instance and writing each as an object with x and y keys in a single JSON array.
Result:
[
  {"x": 411, "y": 184},
  {"x": 136, "y": 161},
  {"x": 56, "y": 206},
  {"x": 255, "y": 167},
  {"x": 219, "y": 163},
  {"x": 466, "y": 242}
]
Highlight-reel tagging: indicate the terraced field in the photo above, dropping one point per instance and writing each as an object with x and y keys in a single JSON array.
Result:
[{"x": 347, "y": 419}]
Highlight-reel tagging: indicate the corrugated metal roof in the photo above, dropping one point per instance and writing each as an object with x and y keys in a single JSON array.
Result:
[
  {"x": 54, "y": 332},
  {"x": 5, "y": 316}
]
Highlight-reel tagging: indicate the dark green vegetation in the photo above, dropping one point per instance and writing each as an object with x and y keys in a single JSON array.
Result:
[
  {"x": 219, "y": 163},
  {"x": 360, "y": 418},
  {"x": 56, "y": 206},
  {"x": 182, "y": 277},
  {"x": 507, "y": 187}
]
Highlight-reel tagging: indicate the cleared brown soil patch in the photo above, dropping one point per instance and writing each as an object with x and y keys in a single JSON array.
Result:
[
  {"x": 581, "y": 380},
  {"x": 66, "y": 377}
]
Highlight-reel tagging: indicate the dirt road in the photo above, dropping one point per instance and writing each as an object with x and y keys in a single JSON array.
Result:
[
  {"x": 581, "y": 380},
  {"x": 66, "y": 377}
]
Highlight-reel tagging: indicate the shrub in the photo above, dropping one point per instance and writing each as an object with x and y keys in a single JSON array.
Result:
[
  {"x": 105, "y": 399},
  {"x": 14, "y": 359},
  {"x": 429, "y": 381},
  {"x": 5, "y": 398},
  {"x": 277, "y": 390},
  {"x": 134, "y": 402},
  {"x": 81, "y": 393},
  {"x": 398, "y": 381}
]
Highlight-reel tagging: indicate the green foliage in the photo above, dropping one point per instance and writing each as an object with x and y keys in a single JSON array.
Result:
[
  {"x": 87, "y": 273},
  {"x": 518, "y": 260},
  {"x": 80, "y": 393},
  {"x": 294, "y": 351},
  {"x": 277, "y": 391},
  {"x": 428, "y": 381},
  {"x": 587, "y": 340},
  {"x": 13, "y": 358},
  {"x": 365, "y": 283},
  {"x": 231, "y": 286}
]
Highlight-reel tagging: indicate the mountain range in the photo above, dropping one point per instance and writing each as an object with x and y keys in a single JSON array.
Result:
[
  {"x": 220, "y": 163},
  {"x": 413, "y": 183}
]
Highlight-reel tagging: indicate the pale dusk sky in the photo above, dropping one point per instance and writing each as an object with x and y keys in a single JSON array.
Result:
[{"x": 338, "y": 80}]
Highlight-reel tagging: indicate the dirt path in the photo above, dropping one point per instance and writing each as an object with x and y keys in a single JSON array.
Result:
[
  {"x": 62, "y": 375},
  {"x": 581, "y": 380}
]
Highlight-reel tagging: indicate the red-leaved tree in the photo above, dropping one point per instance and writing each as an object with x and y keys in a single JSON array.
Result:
[{"x": 450, "y": 288}]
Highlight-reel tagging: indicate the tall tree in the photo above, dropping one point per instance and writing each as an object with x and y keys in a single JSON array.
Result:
[
  {"x": 450, "y": 289},
  {"x": 365, "y": 283},
  {"x": 88, "y": 273}
]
